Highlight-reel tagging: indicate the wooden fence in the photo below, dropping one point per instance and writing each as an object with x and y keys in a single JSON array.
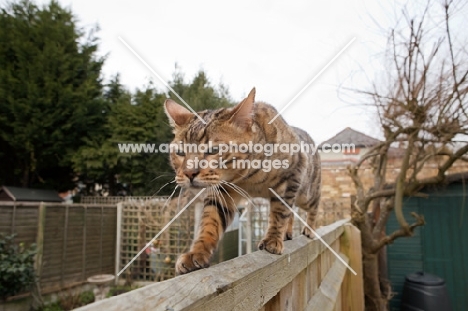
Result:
[
  {"x": 73, "y": 241},
  {"x": 307, "y": 276},
  {"x": 139, "y": 221},
  {"x": 116, "y": 199}
]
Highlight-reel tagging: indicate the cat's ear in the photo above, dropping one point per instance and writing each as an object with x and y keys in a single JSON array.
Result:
[
  {"x": 178, "y": 115},
  {"x": 242, "y": 114}
]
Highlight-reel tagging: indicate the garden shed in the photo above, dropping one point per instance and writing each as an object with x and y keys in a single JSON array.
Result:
[
  {"x": 15, "y": 194},
  {"x": 441, "y": 246}
]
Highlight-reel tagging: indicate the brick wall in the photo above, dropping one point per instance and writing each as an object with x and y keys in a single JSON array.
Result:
[{"x": 337, "y": 186}]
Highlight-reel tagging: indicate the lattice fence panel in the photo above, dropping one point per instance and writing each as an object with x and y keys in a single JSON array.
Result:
[
  {"x": 329, "y": 212},
  {"x": 141, "y": 221},
  {"x": 117, "y": 199}
]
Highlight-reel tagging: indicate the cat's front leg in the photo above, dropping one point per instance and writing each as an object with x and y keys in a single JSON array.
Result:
[
  {"x": 215, "y": 219},
  {"x": 277, "y": 226}
]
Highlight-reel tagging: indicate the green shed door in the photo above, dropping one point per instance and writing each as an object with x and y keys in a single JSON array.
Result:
[
  {"x": 440, "y": 247},
  {"x": 404, "y": 256}
]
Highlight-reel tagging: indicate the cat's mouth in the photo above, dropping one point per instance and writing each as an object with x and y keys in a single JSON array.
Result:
[{"x": 198, "y": 184}]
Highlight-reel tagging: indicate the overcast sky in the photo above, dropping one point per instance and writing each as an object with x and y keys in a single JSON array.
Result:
[{"x": 276, "y": 46}]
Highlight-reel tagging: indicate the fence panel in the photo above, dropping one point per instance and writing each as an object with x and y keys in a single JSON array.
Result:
[
  {"x": 76, "y": 241},
  {"x": 141, "y": 221}
]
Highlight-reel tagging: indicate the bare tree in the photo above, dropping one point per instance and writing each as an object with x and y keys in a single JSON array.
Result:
[{"x": 422, "y": 108}]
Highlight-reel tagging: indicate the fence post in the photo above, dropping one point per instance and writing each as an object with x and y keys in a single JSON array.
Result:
[
  {"x": 248, "y": 228},
  {"x": 100, "y": 239},
  {"x": 64, "y": 248},
  {"x": 85, "y": 233},
  {"x": 197, "y": 216},
  {"x": 13, "y": 218},
  {"x": 118, "y": 240},
  {"x": 352, "y": 288},
  {"x": 36, "y": 290}
]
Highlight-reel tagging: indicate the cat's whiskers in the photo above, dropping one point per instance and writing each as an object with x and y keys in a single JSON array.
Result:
[
  {"x": 240, "y": 191},
  {"x": 178, "y": 199},
  {"x": 169, "y": 198},
  {"x": 225, "y": 191},
  {"x": 163, "y": 187},
  {"x": 218, "y": 198},
  {"x": 213, "y": 195},
  {"x": 160, "y": 176},
  {"x": 221, "y": 196}
]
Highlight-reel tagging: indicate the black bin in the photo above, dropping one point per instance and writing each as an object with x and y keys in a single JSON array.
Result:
[{"x": 425, "y": 292}]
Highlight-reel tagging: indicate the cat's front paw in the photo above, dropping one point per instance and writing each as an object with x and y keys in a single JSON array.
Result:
[
  {"x": 306, "y": 231},
  {"x": 192, "y": 261},
  {"x": 272, "y": 245}
]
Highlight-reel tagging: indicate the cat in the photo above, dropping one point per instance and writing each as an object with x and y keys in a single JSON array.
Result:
[{"x": 297, "y": 183}]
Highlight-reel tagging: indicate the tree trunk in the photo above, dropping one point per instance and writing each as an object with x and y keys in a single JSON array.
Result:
[
  {"x": 25, "y": 178},
  {"x": 373, "y": 296},
  {"x": 374, "y": 299}
]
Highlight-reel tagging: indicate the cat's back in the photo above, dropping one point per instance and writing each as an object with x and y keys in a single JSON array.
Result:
[{"x": 279, "y": 130}]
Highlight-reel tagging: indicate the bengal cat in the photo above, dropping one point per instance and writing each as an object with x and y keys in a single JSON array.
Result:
[{"x": 297, "y": 182}]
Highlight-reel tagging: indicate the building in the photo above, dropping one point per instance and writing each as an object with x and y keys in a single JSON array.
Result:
[{"x": 346, "y": 147}]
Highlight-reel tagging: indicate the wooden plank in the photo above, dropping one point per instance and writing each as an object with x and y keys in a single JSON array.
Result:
[
  {"x": 244, "y": 283},
  {"x": 313, "y": 278},
  {"x": 273, "y": 304},
  {"x": 353, "y": 285},
  {"x": 299, "y": 291},
  {"x": 327, "y": 294},
  {"x": 285, "y": 301},
  {"x": 38, "y": 263}
]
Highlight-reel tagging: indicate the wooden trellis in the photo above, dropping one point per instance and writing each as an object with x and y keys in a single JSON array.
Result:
[
  {"x": 116, "y": 199},
  {"x": 254, "y": 221},
  {"x": 140, "y": 221}
]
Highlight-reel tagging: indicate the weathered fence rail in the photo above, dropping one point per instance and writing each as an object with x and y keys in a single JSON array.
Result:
[{"x": 307, "y": 276}]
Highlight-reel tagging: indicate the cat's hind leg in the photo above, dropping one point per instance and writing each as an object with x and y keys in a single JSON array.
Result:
[
  {"x": 289, "y": 231},
  {"x": 311, "y": 206}
]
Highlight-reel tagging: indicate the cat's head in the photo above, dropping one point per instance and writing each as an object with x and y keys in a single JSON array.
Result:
[{"x": 223, "y": 126}]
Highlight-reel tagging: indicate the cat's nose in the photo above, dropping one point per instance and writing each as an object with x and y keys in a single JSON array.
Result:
[{"x": 191, "y": 174}]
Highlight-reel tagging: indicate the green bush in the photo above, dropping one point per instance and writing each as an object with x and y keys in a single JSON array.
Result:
[
  {"x": 52, "y": 307},
  {"x": 70, "y": 300},
  {"x": 86, "y": 297},
  {"x": 16, "y": 266}
]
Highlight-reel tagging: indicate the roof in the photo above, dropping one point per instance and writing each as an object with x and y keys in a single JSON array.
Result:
[
  {"x": 350, "y": 136},
  {"x": 28, "y": 195}
]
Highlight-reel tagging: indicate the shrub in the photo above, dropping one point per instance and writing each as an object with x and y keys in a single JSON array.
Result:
[
  {"x": 70, "y": 300},
  {"x": 86, "y": 297},
  {"x": 52, "y": 307},
  {"x": 16, "y": 266}
]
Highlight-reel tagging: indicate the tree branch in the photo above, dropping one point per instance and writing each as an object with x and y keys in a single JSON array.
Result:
[{"x": 402, "y": 232}]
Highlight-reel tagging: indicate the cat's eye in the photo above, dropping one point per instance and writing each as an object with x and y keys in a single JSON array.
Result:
[{"x": 213, "y": 150}]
